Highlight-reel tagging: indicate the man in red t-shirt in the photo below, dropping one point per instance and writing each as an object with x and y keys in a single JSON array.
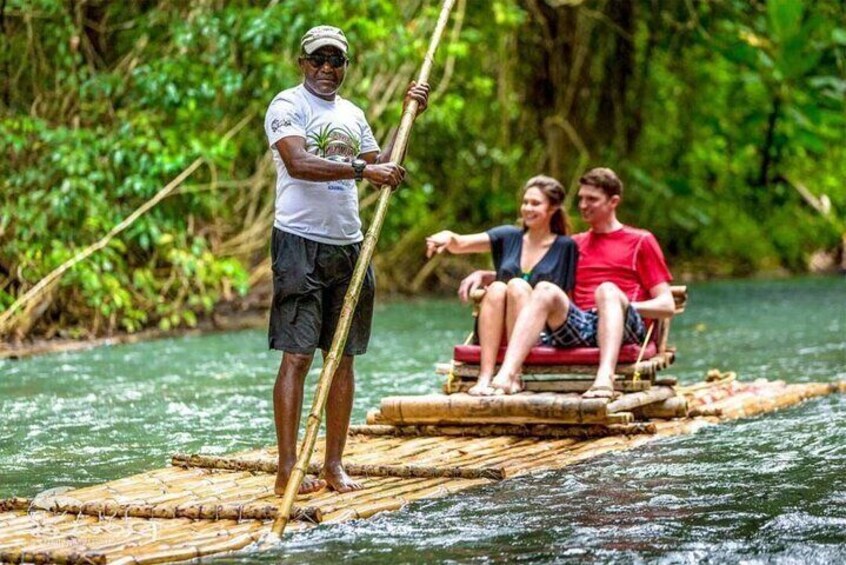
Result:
[{"x": 621, "y": 278}]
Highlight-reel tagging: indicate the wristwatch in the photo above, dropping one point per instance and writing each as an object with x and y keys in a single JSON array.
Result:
[{"x": 358, "y": 166}]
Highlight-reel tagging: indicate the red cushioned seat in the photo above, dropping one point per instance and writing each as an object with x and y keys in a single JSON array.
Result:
[{"x": 545, "y": 355}]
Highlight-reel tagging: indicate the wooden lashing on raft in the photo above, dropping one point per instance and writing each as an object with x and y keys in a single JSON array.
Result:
[{"x": 332, "y": 359}]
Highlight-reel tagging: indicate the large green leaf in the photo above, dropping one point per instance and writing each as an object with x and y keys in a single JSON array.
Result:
[
  {"x": 785, "y": 18},
  {"x": 795, "y": 59}
]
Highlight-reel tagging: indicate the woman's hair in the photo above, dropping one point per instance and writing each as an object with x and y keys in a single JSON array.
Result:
[{"x": 555, "y": 193}]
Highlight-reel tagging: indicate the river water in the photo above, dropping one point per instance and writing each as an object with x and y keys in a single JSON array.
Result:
[{"x": 767, "y": 489}]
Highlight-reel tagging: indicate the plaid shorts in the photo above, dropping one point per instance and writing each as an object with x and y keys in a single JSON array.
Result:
[{"x": 580, "y": 329}]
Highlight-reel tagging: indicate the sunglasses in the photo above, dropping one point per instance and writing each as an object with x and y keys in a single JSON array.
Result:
[{"x": 335, "y": 61}]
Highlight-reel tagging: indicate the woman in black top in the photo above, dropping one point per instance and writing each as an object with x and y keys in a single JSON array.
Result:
[{"x": 540, "y": 250}]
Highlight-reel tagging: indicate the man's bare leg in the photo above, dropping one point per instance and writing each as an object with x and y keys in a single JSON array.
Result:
[
  {"x": 338, "y": 411},
  {"x": 287, "y": 407},
  {"x": 548, "y": 305},
  {"x": 491, "y": 324},
  {"x": 611, "y": 305}
]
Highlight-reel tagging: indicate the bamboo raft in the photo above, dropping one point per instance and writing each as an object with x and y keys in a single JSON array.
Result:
[{"x": 208, "y": 505}]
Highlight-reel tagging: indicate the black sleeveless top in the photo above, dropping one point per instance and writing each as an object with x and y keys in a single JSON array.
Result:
[{"x": 557, "y": 266}]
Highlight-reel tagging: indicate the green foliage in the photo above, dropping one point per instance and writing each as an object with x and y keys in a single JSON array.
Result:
[
  {"x": 741, "y": 112},
  {"x": 712, "y": 112}
]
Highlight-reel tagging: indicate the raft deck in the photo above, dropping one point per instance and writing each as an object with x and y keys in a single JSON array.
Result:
[{"x": 208, "y": 505}]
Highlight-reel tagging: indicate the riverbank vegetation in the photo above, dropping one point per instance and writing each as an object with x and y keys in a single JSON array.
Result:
[{"x": 726, "y": 119}]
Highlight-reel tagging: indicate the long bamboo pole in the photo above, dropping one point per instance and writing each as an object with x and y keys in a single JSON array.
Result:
[{"x": 330, "y": 364}]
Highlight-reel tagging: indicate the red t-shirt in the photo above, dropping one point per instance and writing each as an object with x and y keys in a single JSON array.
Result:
[{"x": 629, "y": 257}]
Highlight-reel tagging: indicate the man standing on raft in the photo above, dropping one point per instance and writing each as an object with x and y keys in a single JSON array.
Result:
[
  {"x": 321, "y": 145},
  {"x": 621, "y": 278}
]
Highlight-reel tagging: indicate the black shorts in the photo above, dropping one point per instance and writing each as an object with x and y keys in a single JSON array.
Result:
[{"x": 310, "y": 281}]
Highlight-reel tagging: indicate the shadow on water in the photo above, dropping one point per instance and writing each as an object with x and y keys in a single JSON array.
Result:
[{"x": 761, "y": 490}]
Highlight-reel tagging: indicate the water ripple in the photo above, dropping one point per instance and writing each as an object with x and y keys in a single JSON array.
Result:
[{"x": 768, "y": 489}]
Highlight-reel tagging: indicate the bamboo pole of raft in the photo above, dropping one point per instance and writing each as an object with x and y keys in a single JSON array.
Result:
[
  {"x": 14, "y": 503},
  {"x": 330, "y": 364},
  {"x": 674, "y": 407},
  {"x": 440, "y": 409},
  {"x": 402, "y": 471},
  {"x": 519, "y": 430},
  {"x": 193, "y": 511},
  {"x": 638, "y": 399},
  {"x": 59, "y": 557}
]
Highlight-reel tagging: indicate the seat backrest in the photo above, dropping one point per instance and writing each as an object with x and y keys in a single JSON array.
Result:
[{"x": 663, "y": 330}]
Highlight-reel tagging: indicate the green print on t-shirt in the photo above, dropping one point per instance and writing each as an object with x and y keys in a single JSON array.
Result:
[{"x": 334, "y": 143}]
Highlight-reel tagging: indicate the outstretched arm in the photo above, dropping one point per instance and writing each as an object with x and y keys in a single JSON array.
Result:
[
  {"x": 661, "y": 305},
  {"x": 456, "y": 243}
]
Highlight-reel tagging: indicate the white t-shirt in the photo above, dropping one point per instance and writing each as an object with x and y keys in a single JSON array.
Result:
[{"x": 326, "y": 212}]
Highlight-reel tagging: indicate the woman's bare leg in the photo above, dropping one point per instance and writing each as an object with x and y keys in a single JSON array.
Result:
[
  {"x": 491, "y": 324},
  {"x": 517, "y": 296},
  {"x": 548, "y": 305}
]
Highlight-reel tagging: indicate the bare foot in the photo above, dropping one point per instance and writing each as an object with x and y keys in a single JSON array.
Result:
[
  {"x": 481, "y": 388},
  {"x": 506, "y": 384},
  {"x": 338, "y": 480},
  {"x": 600, "y": 391},
  {"x": 309, "y": 484}
]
